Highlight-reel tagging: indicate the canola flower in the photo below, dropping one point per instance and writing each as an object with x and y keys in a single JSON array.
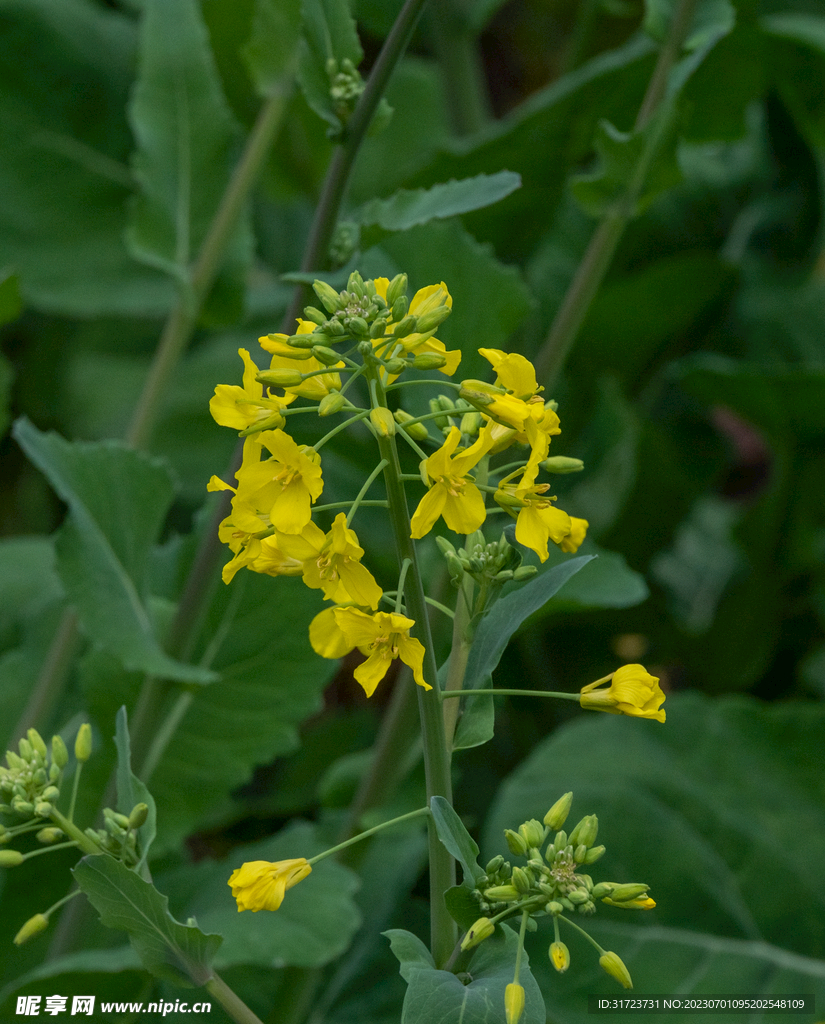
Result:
[
  {"x": 262, "y": 885},
  {"x": 632, "y": 691}
]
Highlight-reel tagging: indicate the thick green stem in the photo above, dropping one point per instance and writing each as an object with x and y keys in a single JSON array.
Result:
[
  {"x": 87, "y": 845},
  {"x": 436, "y": 755},
  {"x": 602, "y": 246},
  {"x": 233, "y": 1004}
]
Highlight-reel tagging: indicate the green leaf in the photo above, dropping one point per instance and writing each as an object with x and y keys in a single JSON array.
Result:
[
  {"x": 185, "y": 135},
  {"x": 435, "y": 996},
  {"x": 11, "y": 305},
  {"x": 271, "y": 680},
  {"x": 131, "y": 791},
  {"x": 329, "y": 34},
  {"x": 28, "y": 580},
  {"x": 608, "y": 583},
  {"x": 179, "y": 953},
  {"x": 463, "y": 906},
  {"x": 407, "y": 208},
  {"x": 493, "y": 633},
  {"x": 269, "y": 54},
  {"x": 456, "y": 838},
  {"x": 315, "y": 924},
  {"x": 118, "y": 499},
  {"x": 711, "y": 18},
  {"x": 713, "y": 791},
  {"x": 635, "y": 168}
]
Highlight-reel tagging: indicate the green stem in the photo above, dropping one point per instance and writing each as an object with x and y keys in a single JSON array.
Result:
[
  {"x": 359, "y": 497},
  {"x": 436, "y": 756},
  {"x": 86, "y": 844},
  {"x": 233, "y": 1004},
  {"x": 75, "y": 784},
  {"x": 520, "y": 950},
  {"x": 511, "y": 693},
  {"x": 459, "y": 654},
  {"x": 581, "y": 931},
  {"x": 376, "y": 503},
  {"x": 163, "y": 737},
  {"x": 49, "y": 849},
  {"x": 369, "y": 832},
  {"x": 602, "y": 246}
]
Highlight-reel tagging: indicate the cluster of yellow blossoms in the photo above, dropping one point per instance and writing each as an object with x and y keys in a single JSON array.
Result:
[{"x": 372, "y": 332}]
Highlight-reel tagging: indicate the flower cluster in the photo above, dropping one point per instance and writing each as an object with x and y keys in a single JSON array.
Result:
[
  {"x": 30, "y": 784},
  {"x": 343, "y": 359},
  {"x": 553, "y": 882}
]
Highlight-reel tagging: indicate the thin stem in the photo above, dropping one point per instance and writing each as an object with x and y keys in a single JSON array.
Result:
[
  {"x": 602, "y": 246},
  {"x": 59, "y": 904},
  {"x": 359, "y": 497},
  {"x": 232, "y": 1003},
  {"x": 49, "y": 849},
  {"x": 341, "y": 426},
  {"x": 522, "y": 932},
  {"x": 581, "y": 931},
  {"x": 459, "y": 654},
  {"x": 510, "y": 693},
  {"x": 163, "y": 737},
  {"x": 75, "y": 785},
  {"x": 369, "y": 832},
  {"x": 373, "y": 503}
]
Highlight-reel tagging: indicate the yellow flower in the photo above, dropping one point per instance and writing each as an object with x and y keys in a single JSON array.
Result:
[
  {"x": 282, "y": 487},
  {"x": 283, "y": 357},
  {"x": 325, "y": 635},
  {"x": 632, "y": 691},
  {"x": 261, "y": 884},
  {"x": 452, "y": 495},
  {"x": 243, "y": 407},
  {"x": 559, "y": 956},
  {"x": 513, "y": 1002},
  {"x": 572, "y": 542},
  {"x": 641, "y": 903},
  {"x": 332, "y": 562},
  {"x": 424, "y": 301},
  {"x": 382, "y": 637}
]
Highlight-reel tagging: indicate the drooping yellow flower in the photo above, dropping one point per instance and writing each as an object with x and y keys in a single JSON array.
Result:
[
  {"x": 261, "y": 884},
  {"x": 424, "y": 301},
  {"x": 283, "y": 358},
  {"x": 283, "y": 487},
  {"x": 573, "y": 541},
  {"x": 382, "y": 637},
  {"x": 513, "y": 1002},
  {"x": 632, "y": 691},
  {"x": 243, "y": 407},
  {"x": 452, "y": 494},
  {"x": 332, "y": 562}
]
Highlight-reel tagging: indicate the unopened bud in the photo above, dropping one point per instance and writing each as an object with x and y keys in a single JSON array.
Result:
[
  {"x": 559, "y": 956},
  {"x": 396, "y": 288},
  {"x": 578, "y": 896},
  {"x": 515, "y": 843},
  {"x": 432, "y": 319},
  {"x": 580, "y": 853},
  {"x": 358, "y": 326},
  {"x": 302, "y": 343},
  {"x": 280, "y": 377},
  {"x": 562, "y": 464},
  {"x": 522, "y": 880},
  {"x": 498, "y": 860},
  {"x": 50, "y": 793},
  {"x": 560, "y": 841},
  {"x": 481, "y": 930},
  {"x": 557, "y": 815},
  {"x": 612, "y": 964},
  {"x": 50, "y": 835},
  {"x": 324, "y": 355},
  {"x": 429, "y": 360},
  {"x": 315, "y": 315},
  {"x": 83, "y": 743},
  {"x": 395, "y": 365},
  {"x": 631, "y": 891},
  {"x": 382, "y": 420},
  {"x": 642, "y": 903},
  {"x": 399, "y": 308},
  {"x": 524, "y": 572},
  {"x": 470, "y": 423},
  {"x": 331, "y": 403},
  {"x": 417, "y": 431},
  {"x": 497, "y": 893},
  {"x": 586, "y": 831},
  {"x": 555, "y": 908},
  {"x": 409, "y": 325},
  {"x": 328, "y": 295},
  {"x": 140, "y": 812},
  {"x": 60, "y": 755},
  {"x": 32, "y": 927},
  {"x": 532, "y": 832},
  {"x": 37, "y": 743},
  {"x": 594, "y": 854},
  {"x": 10, "y": 858},
  {"x": 508, "y": 500},
  {"x": 355, "y": 283},
  {"x": 378, "y": 327},
  {"x": 513, "y": 1002}
]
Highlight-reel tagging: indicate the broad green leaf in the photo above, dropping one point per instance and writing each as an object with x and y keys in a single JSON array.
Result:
[
  {"x": 434, "y": 995},
  {"x": 315, "y": 924},
  {"x": 271, "y": 680},
  {"x": 118, "y": 499},
  {"x": 456, "y": 838},
  {"x": 270, "y": 53},
  {"x": 608, "y": 583},
  {"x": 715, "y": 791},
  {"x": 28, "y": 580},
  {"x": 180, "y": 953},
  {"x": 635, "y": 168},
  {"x": 493, "y": 633},
  {"x": 131, "y": 791},
  {"x": 710, "y": 19},
  {"x": 463, "y": 906},
  {"x": 407, "y": 208},
  {"x": 329, "y": 35},
  {"x": 185, "y": 135}
]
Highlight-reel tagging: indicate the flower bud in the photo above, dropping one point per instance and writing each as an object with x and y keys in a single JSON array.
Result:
[
  {"x": 522, "y": 880},
  {"x": 642, "y": 903},
  {"x": 378, "y": 328},
  {"x": 532, "y": 832},
  {"x": 10, "y": 858},
  {"x": 524, "y": 572},
  {"x": 325, "y": 355},
  {"x": 481, "y": 930},
  {"x": 515, "y": 843},
  {"x": 562, "y": 464},
  {"x": 382, "y": 420},
  {"x": 498, "y": 860},
  {"x": 140, "y": 812},
  {"x": 409, "y": 325},
  {"x": 432, "y": 319},
  {"x": 559, "y": 956},
  {"x": 578, "y": 896},
  {"x": 580, "y": 853},
  {"x": 557, "y": 815},
  {"x": 32, "y": 927},
  {"x": 396, "y": 365},
  {"x": 586, "y": 831},
  {"x": 497, "y": 893},
  {"x": 331, "y": 403},
  {"x": 355, "y": 283},
  {"x": 83, "y": 743},
  {"x": 612, "y": 964},
  {"x": 441, "y": 421},
  {"x": 399, "y": 308},
  {"x": 429, "y": 360},
  {"x": 513, "y": 1002},
  {"x": 26, "y": 750},
  {"x": 50, "y": 794},
  {"x": 37, "y": 743},
  {"x": 315, "y": 315},
  {"x": 631, "y": 891},
  {"x": 328, "y": 295},
  {"x": 301, "y": 344},
  {"x": 280, "y": 377},
  {"x": 396, "y": 288},
  {"x": 594, "y": 854},
  {"x": 49, "y": 835},
  {"x": 417, "y": 431},
  {"x": 560, "y": 841},
  {"x": 555, "y": 908},
  {"x": 358, "y": 326},
  {"x": 60, "y": 755}
]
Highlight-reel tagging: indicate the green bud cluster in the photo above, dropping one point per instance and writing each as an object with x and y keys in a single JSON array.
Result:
[
  {"x": 451, "y": 413},
  {"x": 30, "y": 785},
  {"x": 118, "y": 836},
  {"x": 490, "y": 564},
  {"x": 345, "y": 86}
]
